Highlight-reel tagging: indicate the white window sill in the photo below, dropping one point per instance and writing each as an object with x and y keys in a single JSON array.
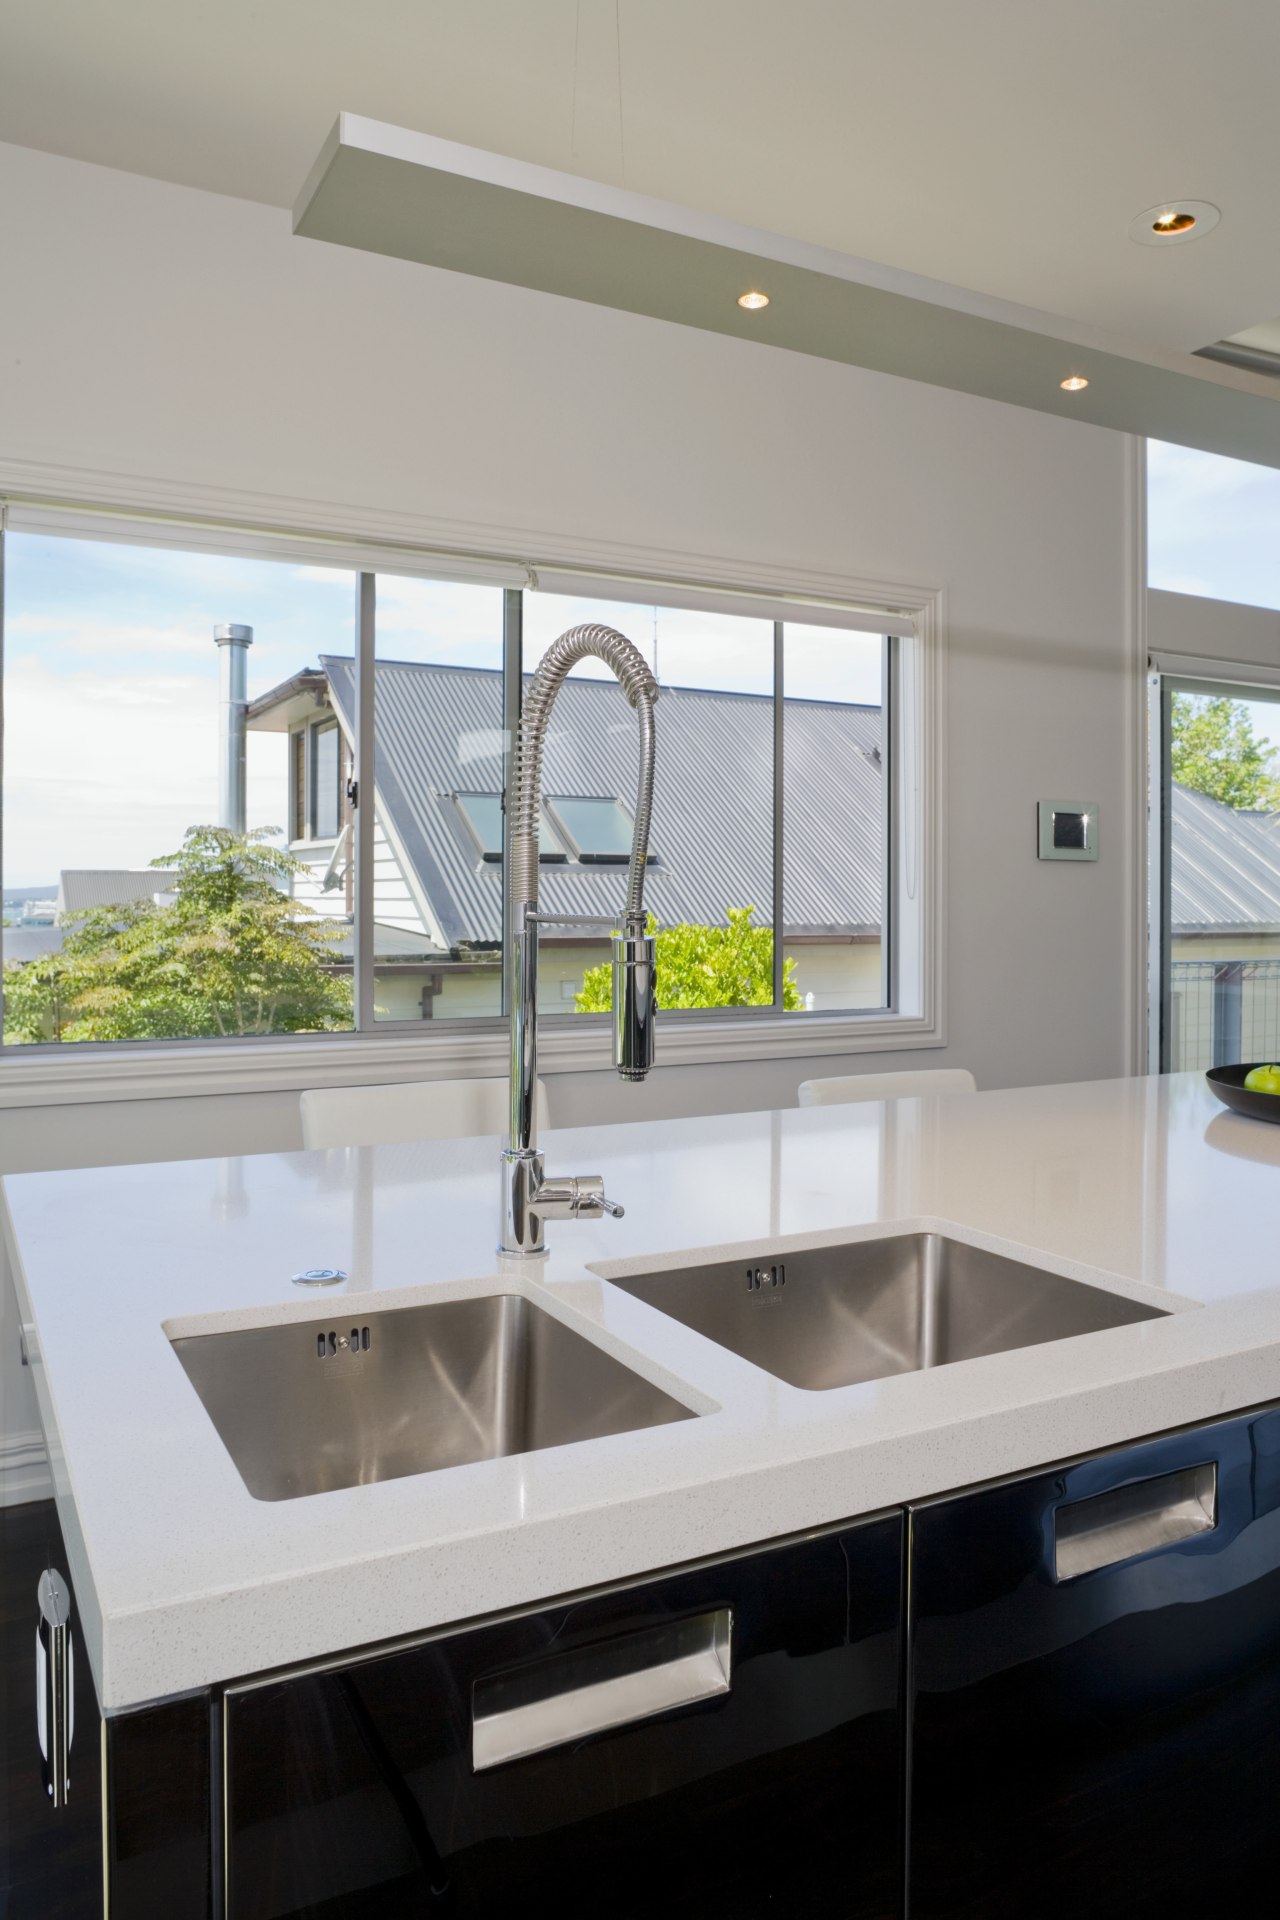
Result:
[{"x": 78, "y": 1074}]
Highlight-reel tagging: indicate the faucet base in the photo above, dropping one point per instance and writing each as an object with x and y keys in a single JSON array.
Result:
[
  {"x": 528, "y": 1199},
  {"x": 520, "y": 1228}
]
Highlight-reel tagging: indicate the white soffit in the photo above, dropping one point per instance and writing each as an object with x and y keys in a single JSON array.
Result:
[{"x": 394, "y": 191}]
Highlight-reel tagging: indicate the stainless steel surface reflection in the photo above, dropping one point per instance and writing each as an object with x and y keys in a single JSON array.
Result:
[
  {"x": 832, "y": 1316},
  {"x": 316, "y": 1405}
]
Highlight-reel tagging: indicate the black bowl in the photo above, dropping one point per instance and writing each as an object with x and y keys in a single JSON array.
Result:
[{"x": 1228, "y": 1084}]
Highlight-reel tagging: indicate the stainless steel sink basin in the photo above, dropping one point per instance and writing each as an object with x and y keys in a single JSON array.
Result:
[
  {"x": 832, "y": 1316},
  {"x": 311, "y": 1406}
]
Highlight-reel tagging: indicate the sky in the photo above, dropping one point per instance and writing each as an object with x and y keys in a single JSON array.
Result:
[
  {"x": 1213, "y": 528},
  {"x": 111, "y": 678}
]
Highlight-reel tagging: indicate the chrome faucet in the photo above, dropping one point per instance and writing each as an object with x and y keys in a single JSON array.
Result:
[{"x": 528, "y": 1197}]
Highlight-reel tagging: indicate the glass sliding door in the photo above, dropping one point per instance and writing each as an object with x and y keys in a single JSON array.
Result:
[{"x": 1218, "y": 885}]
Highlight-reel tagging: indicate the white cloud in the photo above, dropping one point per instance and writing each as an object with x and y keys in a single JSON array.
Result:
[
  {"x": 89, "y": 636},
  {"x": 104, "y": 770}
]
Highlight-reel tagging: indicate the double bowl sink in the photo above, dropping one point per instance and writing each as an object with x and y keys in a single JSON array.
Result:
[{"x": 309, "y": 1407}]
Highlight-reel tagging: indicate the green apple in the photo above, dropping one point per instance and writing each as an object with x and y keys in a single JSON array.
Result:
[{"x": 1263, "y": 1080}]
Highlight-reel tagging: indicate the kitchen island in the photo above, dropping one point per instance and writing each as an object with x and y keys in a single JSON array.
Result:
[{"x": 1143, "y": 1189}]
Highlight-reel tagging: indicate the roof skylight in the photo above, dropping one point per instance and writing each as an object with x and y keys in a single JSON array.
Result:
[
  {"x": 597, "y": 828},
  {"x": 483, "y": 815}
]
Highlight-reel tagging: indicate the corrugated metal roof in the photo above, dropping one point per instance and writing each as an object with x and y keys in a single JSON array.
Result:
[
  {"x": 32, "y": 943},
  {"x": 439, "y": 732},
  {"x": 82, "y": 887},
  {"x": 1225, "y": 866}
]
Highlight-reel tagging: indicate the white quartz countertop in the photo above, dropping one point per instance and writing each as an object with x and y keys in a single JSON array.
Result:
[{"x": 1144, "y": 1186}]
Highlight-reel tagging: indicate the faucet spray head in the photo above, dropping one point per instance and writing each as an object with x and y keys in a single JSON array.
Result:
[{"x": 634, "y": 998}]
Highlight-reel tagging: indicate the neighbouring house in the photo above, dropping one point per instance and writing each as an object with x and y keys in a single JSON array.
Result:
[
  {"x": 438, "y": 825},
  {"x": 82, "y": 888},
  {"x": 438, "y": 845},
  {"x": 1225, "y": 880},
  {"x": 438, "y": 840},
  {"x": 31, "y": 943},
  {"x": 1224, "y": 920}
]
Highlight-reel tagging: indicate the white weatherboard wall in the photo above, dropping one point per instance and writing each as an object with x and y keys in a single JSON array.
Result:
[{"x": 167, "y": 347}]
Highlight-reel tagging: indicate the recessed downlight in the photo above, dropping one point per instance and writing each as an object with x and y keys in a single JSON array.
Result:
[
  {"x": 1074, "y": 383},
  {"x": 753, "y": 300},
  {"x": 1173, "y": 223}
]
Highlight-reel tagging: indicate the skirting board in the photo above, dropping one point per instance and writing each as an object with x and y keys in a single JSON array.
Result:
[{"x": 24, "y": 1470}]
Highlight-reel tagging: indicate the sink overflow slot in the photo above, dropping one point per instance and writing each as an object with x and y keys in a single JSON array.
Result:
[
  {"x": 333, "y": 1342},
  {"x": 758, "y": 1278}
]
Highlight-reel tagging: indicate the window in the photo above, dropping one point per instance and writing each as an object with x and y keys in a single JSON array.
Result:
[
  {"x": 326, "y": 781},
  {"x": 114, "y": 740},
  {"x": 835, "y": 749},
  {"x": 1211, "y": 525},
  {"x": 1220, "y": 919},
  {"x": 483, "y": 815},
  {"x": 1215, "y": 760},
  {"x": 596, "y": 829},
  {"x": 769, "y": 875},
  {"x": 770, "y": 799}
]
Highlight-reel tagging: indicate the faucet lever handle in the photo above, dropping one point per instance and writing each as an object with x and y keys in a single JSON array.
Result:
[{"x": 611, "y": 1207}]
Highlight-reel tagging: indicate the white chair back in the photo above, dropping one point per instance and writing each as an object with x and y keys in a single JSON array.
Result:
[
  {"x": 411, "y": 1110},
  {"x": 845, "y": 1088}
]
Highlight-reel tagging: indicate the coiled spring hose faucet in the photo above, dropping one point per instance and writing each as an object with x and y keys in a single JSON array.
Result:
[{"x": 528, "y": 1197}]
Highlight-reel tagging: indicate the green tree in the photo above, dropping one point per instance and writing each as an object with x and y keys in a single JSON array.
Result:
[
  {"x": 729, "y": 966},
  {"x": 1215, "y": 751},
  {"x": 232, "y": 954}
]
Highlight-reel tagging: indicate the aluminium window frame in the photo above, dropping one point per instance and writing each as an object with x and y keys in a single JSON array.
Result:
[{"x": 914, "y": 994}]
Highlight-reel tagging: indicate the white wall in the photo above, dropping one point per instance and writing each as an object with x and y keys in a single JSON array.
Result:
[{"x": 166, "y": 345}]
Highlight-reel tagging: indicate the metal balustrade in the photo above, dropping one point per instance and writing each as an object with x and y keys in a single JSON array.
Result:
[{"x": 1223, "y": 1011}]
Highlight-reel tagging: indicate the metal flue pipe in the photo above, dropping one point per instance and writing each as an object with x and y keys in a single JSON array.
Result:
[{"x": 233, "y": 643}]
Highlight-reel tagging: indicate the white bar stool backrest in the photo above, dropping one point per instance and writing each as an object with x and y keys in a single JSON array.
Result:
[
  {"x": 410, "y": 1110},
  {"x": 844, "y": 1088}
]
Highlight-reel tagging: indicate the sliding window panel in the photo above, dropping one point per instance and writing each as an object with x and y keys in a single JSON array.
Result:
[
  {"x": 170, "y": 752},
  {"x": 437, "y": 797},
  {"x": 835, "y": 758},
  {"x": 709, "y": 883}
]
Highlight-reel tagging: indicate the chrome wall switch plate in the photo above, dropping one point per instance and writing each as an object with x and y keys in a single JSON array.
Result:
[{"x": 1068, "y": 830}]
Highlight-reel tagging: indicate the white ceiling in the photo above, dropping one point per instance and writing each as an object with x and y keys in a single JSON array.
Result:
[{"x": 1001, "y": 145}]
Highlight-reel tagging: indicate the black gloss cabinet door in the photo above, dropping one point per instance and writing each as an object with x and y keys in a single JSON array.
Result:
[
  {"x": 50, "y": 1856},
  {"x": 404, "y": 1785},
  {"x": 1094, "y": 1685}
]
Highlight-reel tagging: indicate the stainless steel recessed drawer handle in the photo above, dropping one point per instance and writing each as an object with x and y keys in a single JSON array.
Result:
[
  {"x": 573, "y": 1695},
  {"x": 1112, "y": 1527},
  {"x": 55, "y": 1684}
]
